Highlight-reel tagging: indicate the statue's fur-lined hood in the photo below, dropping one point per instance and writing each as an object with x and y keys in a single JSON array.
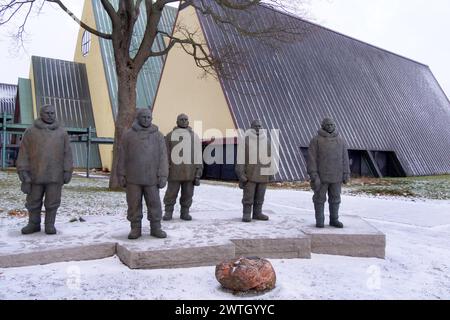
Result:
[
  {"x": 38, "y": 123},
  {"x": 325, "y": 134},
  {"x": 137, "y": 127}
]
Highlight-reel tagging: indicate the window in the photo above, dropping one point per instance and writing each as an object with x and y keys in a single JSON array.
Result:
[{"x": 86, "y": 43}]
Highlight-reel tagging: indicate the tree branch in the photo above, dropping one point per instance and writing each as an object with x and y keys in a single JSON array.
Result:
[
  {"x": 81, "y": 23},
  {"x": 209, "y": 64},
  {"x": 185, "y": 4},
  {"x": 111, "y": 12},
  {"x": 154, "y": 14},
  {"x": 13, "y": 7},
  {"x": 239, "y": 16},
  {"x": 243, "y": 18}
]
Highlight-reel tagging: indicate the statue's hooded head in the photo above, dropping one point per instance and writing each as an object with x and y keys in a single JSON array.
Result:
[
  {"x": 47, "y": 114},
  {"x": 144, "y": 117},
  {"x": 182, "y": 121},
  {"x": 328, "y": 125},
  {"x": 256, "y": 125}
]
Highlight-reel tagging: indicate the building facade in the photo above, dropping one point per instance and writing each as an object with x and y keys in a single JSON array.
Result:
[{"x": 390, "y": 110}]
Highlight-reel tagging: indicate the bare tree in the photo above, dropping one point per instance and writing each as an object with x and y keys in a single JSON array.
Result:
[{"x": 232, "y": 15}]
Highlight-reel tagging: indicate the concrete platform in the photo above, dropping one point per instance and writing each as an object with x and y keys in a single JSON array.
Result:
[
  {"x": 207, "y": 240},
  {"x": 73, "y": 242},
  {"x": 29, "y": 258},
  {"x": 276, "y": 248},
  {"x": 357, "y": 239},
  {"x": 175, "y": 258}
]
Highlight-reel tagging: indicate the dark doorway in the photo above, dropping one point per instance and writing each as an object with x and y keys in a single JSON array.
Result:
[
  {"x": 222, "y": 171},
  {"x": 364, "y": 163},
  {"x": 388, "y": 164},
  {"x": 361, "y": 164}
]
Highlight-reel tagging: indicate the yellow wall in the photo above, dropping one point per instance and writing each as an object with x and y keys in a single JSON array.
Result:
[
  {"x": 183, "y": 90},
  {"x": 98, "y": 87},
  {"x": 33, "y": 92}
]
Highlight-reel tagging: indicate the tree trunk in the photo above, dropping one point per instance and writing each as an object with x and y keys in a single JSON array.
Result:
[{"x": 127, "y": 79}]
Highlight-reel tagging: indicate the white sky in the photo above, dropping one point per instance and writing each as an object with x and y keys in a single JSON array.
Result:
[{"x": 416, "y": 29}]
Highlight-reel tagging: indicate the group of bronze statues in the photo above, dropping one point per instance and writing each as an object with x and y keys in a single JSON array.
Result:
[{"x": 45, "y": 164}]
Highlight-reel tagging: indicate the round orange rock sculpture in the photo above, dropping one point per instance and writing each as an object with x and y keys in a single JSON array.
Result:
[{"x": 244, "y": 274}]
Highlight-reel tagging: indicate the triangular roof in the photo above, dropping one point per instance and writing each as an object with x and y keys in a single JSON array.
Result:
[{"x": 380, "y": 100}]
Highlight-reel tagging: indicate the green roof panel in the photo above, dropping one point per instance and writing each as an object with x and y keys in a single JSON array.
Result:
[
  {"x": 26, "y": 101},
  {"x": 150, "y": 74}
]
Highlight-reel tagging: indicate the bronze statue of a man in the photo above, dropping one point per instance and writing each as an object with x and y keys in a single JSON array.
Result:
[
  {"x": 44, "y": 165},
  {"x": 328, "y": 167},
  {"x": 143, "y": 170},
  {"x": 185, "y": 167},
  {"x": 252, "y": 177}
]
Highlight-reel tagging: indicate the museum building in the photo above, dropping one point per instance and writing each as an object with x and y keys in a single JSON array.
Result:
[{"x": 390, "y": 110}]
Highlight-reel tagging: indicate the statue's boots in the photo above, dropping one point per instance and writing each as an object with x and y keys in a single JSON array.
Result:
[
  {"x": 156, "y": 231},
  {"x": 320, "y": 216},
  {"x": 334, "y": 216},
  {"x": 34, "y": 223},
  {"x": 50, "y": 217},
  {"x": 247, "y": 213},
  {"x": 257, "y": 213},
  {"x": 185, "y": 214},
  {"x": 168, "y": 213},
  {"x": 136, "y": 230}
]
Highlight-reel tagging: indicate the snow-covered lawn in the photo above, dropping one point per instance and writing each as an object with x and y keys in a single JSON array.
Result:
[{"x": 417, "y": 264}]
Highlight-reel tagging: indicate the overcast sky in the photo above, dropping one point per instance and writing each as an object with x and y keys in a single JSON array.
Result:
[{"x": 417, "y": 29}]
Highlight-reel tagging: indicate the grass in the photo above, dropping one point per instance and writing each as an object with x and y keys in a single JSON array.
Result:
[
  {"x": 89, "y": 189},
  {"x": 81, "y": 197},
  {"x": 92, "y": 195},
  {"x": 429, "y": 187}
]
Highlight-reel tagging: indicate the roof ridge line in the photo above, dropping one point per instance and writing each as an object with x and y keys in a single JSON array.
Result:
[{"x": 292, "y": 15}]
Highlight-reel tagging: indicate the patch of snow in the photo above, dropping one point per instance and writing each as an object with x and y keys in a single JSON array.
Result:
[{"x": 417, "y": 264}]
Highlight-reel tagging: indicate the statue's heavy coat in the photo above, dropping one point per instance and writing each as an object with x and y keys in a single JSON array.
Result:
[
  {"x": 194, "y": 166},
  {"x": 45, "y": 153},
  {"x": 254, "y": 170},
  {"x": 143, "y": 156},
  {"x": 328, "y": 157}
]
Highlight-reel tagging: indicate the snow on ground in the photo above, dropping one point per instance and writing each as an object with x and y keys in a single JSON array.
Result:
[{"x": 417, "y": 264}]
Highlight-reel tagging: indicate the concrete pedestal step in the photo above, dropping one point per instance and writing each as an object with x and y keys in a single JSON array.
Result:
[{"x": 203, "y": 241}]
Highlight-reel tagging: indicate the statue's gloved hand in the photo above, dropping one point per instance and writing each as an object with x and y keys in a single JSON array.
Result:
[
  {"x": 346, "y": 178},
  {"x": 196, "y": 181},
  {"x": 26, "y": 187},
  {"x": 162, "y": 181},
  {"x": 122, "y": 181},
  {"x": 315, "y": 183},
  {"x": 242, "y": 181},
  {"x": 67, "y": 176},
  {"x": 24, "y": 176}
]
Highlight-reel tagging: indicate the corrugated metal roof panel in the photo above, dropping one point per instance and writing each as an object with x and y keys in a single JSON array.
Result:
[
  {"x": 380, "y": 100},
  {"x": 8, "y": 98},
  {"x": 150, "y": 74},
  {"x": 64, "y": 84},
  {"x": 8, "y": 94}
]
